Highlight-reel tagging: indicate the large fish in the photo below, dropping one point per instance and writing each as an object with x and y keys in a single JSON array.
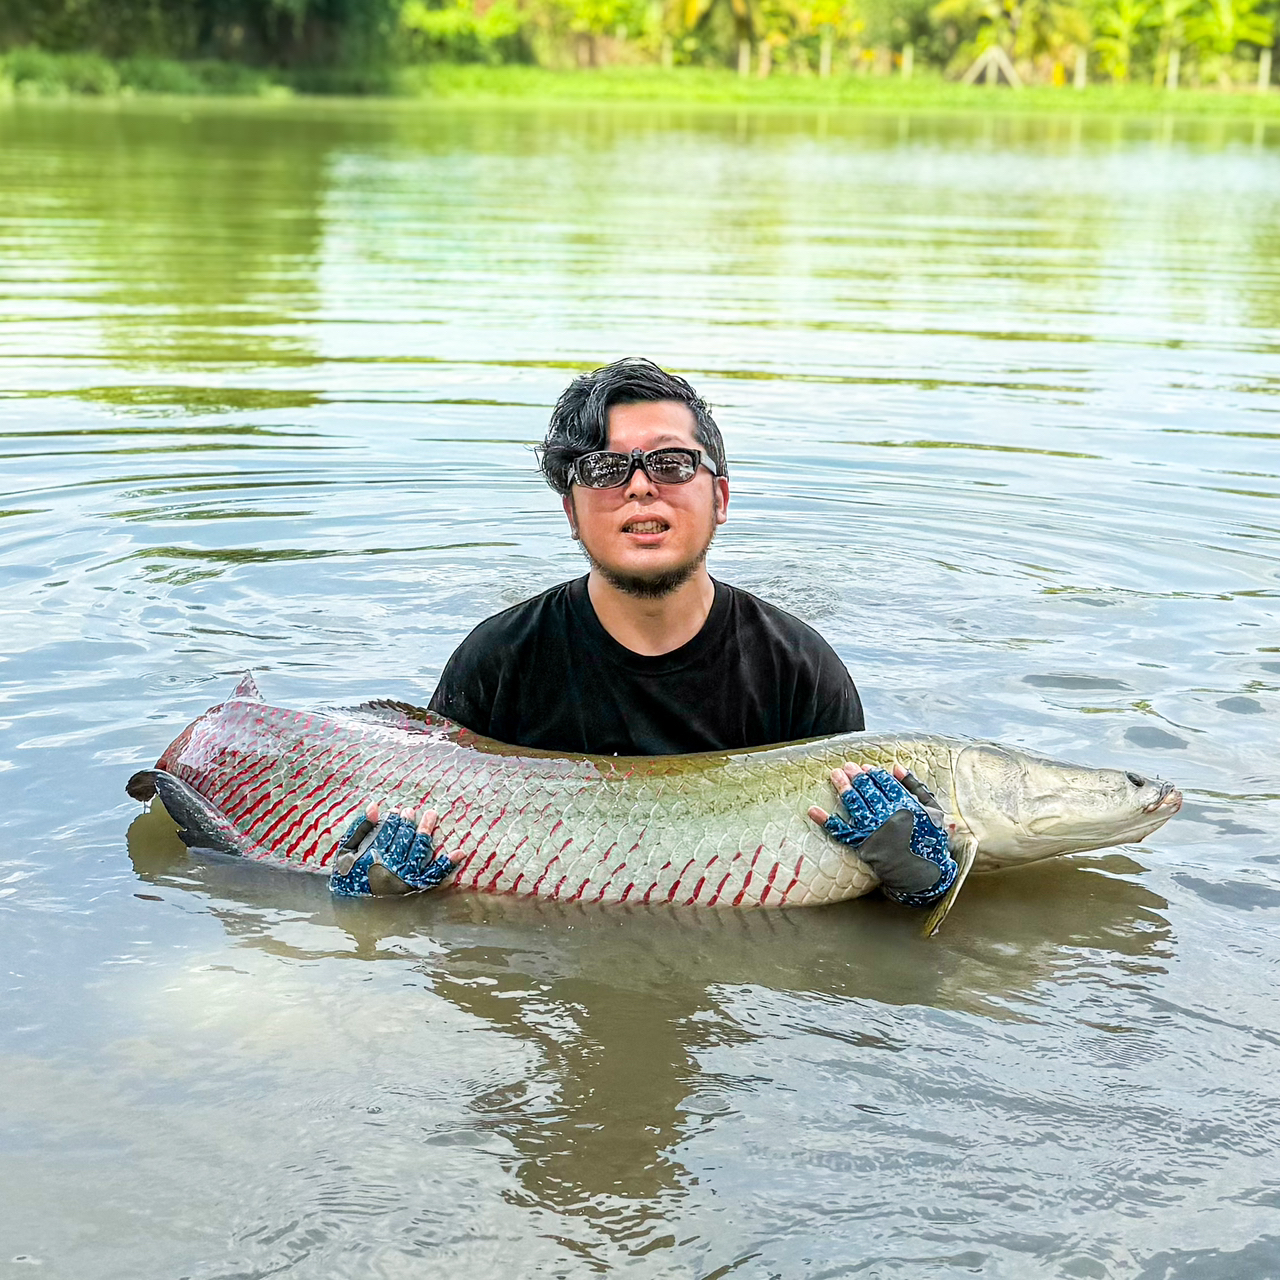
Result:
[{"x": 715, "y": 829}]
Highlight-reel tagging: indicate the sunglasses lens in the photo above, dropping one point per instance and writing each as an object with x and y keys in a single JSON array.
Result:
[
  {"x": 671, "y": 466},
  {"x": 609, "y": 470},
  {"x": 603, "y": 470}
]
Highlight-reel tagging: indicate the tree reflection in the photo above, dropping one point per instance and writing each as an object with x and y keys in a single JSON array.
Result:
[{"x": 198, "y": 233}]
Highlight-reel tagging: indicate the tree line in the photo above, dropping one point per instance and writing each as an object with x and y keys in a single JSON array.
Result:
[{"x": 1171, "y": 43}]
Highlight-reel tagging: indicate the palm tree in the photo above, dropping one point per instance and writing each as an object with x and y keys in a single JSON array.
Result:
[
  {"x": 1027, "y": 30},
  {"x": 1056, "y": 28},
  {"x": 696, "y": 13},
  {"x": 991, "y": 17},
  {"x": 1121, "y": 23},
  {"x": 1166, "y": 16},
  {"x": 1223, "y": 24}
]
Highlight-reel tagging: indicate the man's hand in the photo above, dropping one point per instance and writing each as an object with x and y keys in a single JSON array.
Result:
[
  {"x": 895, "y": 827},
  {"x": 395, "y": 856}
]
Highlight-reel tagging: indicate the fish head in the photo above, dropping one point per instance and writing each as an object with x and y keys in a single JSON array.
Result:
[{"x": 1022, "y": 807}]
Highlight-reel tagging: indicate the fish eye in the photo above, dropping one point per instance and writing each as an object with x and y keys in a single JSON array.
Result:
[{"x": 1137, "y": 779}]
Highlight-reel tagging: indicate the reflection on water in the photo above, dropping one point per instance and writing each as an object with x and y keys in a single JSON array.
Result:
[
  {"x": 1016, "y": 929},
  {"x": 1000, "y": 400},
  {"x": 619, "y": 1006}
]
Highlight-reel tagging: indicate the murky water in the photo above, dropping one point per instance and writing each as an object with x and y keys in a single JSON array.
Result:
[{"x": 1001, "y": 399}]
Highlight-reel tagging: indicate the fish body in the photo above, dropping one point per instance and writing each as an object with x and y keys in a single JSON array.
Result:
[{"x": 713, "y": 829}]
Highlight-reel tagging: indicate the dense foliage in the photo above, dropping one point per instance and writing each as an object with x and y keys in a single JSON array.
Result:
[
  {"x": 358, "y": 44},
  {"x": 286, "y": 33}
]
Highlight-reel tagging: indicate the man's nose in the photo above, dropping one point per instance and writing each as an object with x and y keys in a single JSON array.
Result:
[{"x": 639, "y": 486}]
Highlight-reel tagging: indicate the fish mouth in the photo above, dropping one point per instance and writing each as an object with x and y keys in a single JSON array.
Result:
[{"x": 1169, "y": 800}]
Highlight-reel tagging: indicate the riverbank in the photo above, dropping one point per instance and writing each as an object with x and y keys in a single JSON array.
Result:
[
  {"x": 924, "y": 92},
  {"x": 32, "y": 73}
]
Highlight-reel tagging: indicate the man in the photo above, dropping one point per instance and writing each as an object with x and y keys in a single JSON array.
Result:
[{"x": 648, "y": 654}]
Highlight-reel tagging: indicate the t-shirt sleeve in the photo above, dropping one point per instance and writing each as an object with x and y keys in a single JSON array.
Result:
[
  {"x": 837, "y": 708},
  {"x": 830, "y": 703},
  {"x": 468, "y": 684}
]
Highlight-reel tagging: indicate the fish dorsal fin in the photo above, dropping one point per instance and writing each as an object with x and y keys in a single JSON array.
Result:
[
  {"x": 247, "y": 690},
  {"x": 964, "y": 857},
  {"x": 404, "y": 715}
]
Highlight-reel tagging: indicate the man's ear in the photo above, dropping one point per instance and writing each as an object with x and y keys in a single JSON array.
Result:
[
  {"x": 571, "y": 513},
  {"x": 721, "y": 495}
]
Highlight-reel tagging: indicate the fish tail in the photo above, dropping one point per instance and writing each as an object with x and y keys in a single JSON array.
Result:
[{"x": 201, "y": 824}]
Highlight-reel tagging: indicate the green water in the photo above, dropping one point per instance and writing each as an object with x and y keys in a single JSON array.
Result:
[{"x": 1000, "y": 397}]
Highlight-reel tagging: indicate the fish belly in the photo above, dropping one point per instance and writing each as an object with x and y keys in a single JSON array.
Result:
[{"x": 714, "y": 830}]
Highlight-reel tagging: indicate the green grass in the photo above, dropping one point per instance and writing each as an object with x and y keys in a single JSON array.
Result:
[
  {"x": 924, "y": 92},
  {"x": 34, "y": 73}
]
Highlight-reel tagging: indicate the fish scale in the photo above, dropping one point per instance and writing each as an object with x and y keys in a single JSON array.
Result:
[{"x": 712, "y": 829}]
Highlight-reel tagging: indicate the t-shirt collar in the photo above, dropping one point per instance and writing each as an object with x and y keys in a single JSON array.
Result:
[{"x": 690, "y": 652}]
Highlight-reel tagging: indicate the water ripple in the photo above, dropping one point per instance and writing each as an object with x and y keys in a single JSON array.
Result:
[{"x": 999, "y": 396}]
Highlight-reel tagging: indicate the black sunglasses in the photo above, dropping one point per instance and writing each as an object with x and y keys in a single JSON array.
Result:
[{"x": 605, "y": 470}]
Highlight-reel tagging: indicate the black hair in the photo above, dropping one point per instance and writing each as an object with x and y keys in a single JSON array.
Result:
[{"x": 580, "y": 421}]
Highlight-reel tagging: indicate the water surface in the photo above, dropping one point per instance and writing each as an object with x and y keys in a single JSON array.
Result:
[{"x": 1001, "y": 404}]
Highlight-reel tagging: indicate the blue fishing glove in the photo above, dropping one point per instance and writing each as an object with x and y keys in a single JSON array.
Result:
[
  {"x": 896, "y": 829},
  {"x": 384, "y": 858}
]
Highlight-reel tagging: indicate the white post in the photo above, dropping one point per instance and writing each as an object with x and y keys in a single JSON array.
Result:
[
  {"x": 765, "y": 60},
  {"x": 744, "y": 57},
  {"x": 1082, "y": 68},
  {"x": 1006, "y": 65},
  {"x": 908, "y": 60},
  {"x": 980, "y": 65},
  {"x": 1175, "y": 66},
  {"x": 1264, "y": 71},
  {"x": 824, "y": 55}
]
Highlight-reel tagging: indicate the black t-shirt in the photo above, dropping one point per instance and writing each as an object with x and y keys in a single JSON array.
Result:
[{"x": 547, "y": 674}]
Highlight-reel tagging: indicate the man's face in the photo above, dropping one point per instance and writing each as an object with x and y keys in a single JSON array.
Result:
[{"x": 649, "y": 538}]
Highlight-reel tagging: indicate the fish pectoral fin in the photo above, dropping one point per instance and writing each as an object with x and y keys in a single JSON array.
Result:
[
  {"x": 964, "y": 856},
  {"x": 201, "y": 824}
]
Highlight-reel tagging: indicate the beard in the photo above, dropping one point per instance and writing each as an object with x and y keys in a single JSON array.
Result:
[
  {"x": 656, "y": 584},
  {"x": 649, "y": 586}
]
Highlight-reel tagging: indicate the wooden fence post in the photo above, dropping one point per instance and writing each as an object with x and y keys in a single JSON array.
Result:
[{"x": 991, "y": 64}]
